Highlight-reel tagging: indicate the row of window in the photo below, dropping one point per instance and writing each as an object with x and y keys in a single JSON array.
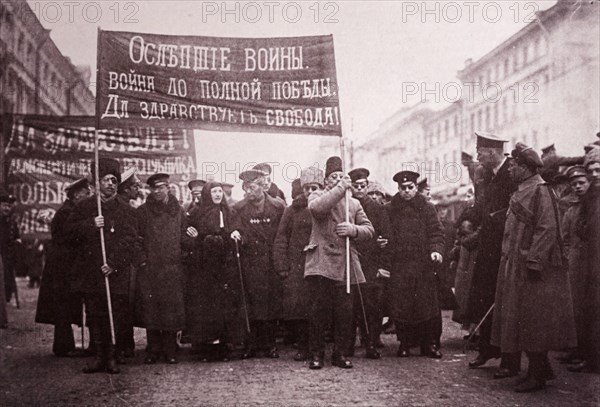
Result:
[
  {"x": 520, "y": 57},
  {"x": 24, "y": 49}
]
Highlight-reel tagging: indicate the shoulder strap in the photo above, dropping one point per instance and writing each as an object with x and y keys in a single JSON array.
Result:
[
  {"x": 557, "y": 220},
  {"x": 529, "y": 229}
]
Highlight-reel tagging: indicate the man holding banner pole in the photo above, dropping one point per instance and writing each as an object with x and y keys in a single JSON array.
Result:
[
  {"x": 325, "y": 269},
  {"x": 103, "y": 260}
]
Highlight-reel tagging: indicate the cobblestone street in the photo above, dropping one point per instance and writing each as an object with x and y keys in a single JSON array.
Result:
[{"x": 31, "y": 376}]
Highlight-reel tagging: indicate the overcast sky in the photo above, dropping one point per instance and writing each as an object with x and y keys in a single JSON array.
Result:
[{"x": 379, "y": 47}]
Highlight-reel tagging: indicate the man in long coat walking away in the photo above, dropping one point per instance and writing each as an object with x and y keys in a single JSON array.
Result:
[
  {"x": 260, "y": 215},
  {"x": 534, "y": 311},
  {"x": 416, "y": 243},
  {"x": 493, "y": 193},
  {"x": 325, "y": 269},
  {"x": 161, "y": 279}
]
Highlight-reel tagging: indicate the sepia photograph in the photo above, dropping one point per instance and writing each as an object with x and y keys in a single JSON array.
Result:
[{"x": 300, "y": 203}]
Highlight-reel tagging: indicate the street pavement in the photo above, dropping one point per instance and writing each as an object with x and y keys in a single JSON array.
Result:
[{"x": 31, "y": 376}]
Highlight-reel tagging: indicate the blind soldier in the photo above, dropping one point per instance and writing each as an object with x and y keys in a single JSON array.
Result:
[
  {"x": 128, "y": 192},
  {"x": 195, "y": 186},
  {"x": 58, "y": 304},
  {"x": 325, "y": 269},
  {"x": 120, "y": 240},
  {"x": 375, "y": 263},
  {"x": 260, "y": 215},
  {"x": 416, "y": 241},
  {"x": 270, "y": 187},
  {"x": 493, "y": 191},
  {"x": 533, "y": 296},
  {"x": 161, "y": 279},
  {"x": 213, "y": 289}
]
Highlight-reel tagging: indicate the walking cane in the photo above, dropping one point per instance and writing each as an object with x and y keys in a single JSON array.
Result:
[
  {"x": 362, "y": 304},
  {"x": 239, "y": 264},
  {"x": 83, "y": 321},
  {"x": 466, "y": 347},
  {"x": 102, "y": 244}
]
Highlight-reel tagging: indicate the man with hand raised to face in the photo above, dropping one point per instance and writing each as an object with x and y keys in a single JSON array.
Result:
[{"x": 325, "y": 268}]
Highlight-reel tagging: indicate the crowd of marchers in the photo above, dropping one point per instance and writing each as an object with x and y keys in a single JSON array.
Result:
[{"x": 231, "y": 277}]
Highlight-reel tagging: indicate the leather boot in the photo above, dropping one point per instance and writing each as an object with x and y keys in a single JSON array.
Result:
[
  {"x": 98, "y": 364},
  {"x": 111, "y": 361}
]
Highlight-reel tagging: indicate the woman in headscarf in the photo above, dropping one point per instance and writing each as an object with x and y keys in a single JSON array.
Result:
[{"x": 214, "y": 304}]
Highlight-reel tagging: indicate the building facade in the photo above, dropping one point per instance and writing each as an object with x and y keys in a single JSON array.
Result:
[
  {"x": 540, "y": 86},
  {"x": 35, "y": 77}
]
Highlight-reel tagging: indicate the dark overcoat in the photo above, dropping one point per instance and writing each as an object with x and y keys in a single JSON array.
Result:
[
  {"x": 213, "y": 303},
  {"x": 262, "y": 284},
  {"x": 577, "y": 254},
  {"x": 120, "y": 241},
  {"x": 412, "y": 292},
  {"x": 492, "y": 208},
  {"x": 589, "y": 230},
  {"x": 57, "y": 303},
  {"x": 161, "y": 282},
  {"x": 371, "y": 256},
  {"x": 532, "y": 314},
  {"x": 289, "y": 257}
]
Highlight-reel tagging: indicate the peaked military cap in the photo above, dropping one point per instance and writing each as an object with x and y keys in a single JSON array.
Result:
[
  {"x": 252, "y": 175},
  {"x": 489, "y": 140},
  {"x": 524, "y": 154},
  {"x": 196, "y": 182},
  {"x": 576, "y": 171},
  {"x": 158, "y": 180},
  {"x": 359, "y": 173},
  {"x": 406, "y": 176},
  {"x": 264, "y": 167}
]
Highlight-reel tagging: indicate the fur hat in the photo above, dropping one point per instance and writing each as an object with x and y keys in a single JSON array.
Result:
[
  {"x": 375, "y": 187},
  {"x": 81, "y": 183},
  {"x": 296, "y": 188},
  {"x": 334, "y": 164},
  {"x": 107, "y": 166},
  {"x": 592, "y": 156},
  {"x": 311, "y": 175}
]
